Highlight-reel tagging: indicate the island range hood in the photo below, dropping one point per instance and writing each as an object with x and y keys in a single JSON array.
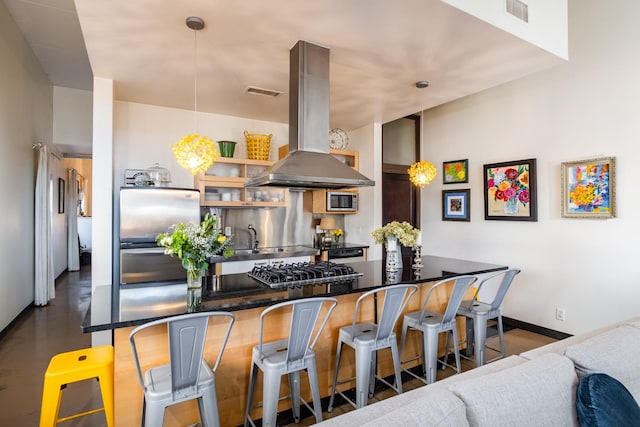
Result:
[{"x": 309, "y": 164}]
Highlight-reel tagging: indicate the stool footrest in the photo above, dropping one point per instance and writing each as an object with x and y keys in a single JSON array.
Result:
[{"x": 82, "y": 414}]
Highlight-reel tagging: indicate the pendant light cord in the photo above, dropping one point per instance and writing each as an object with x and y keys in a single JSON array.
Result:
[
  {"x": 421, "y": 130},
  {"x": 195, "y": 81}
]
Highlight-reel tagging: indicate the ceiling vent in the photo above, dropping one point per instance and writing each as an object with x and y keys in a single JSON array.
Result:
[
  {"x": 518, "y": 9},
  {"x": 260, "y": 91}
]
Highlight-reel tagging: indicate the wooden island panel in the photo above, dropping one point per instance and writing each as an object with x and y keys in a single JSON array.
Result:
[{"x": 232, "y": 376}]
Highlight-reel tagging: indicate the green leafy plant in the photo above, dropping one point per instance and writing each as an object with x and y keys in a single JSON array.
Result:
[{"x": 195, "y": 244}]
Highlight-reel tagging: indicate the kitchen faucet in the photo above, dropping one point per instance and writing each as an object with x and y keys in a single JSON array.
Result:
[{"x": 255, "y": 237}]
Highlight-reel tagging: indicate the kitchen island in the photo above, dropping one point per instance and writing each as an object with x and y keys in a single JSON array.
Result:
[{"x": 247, "y": 298}]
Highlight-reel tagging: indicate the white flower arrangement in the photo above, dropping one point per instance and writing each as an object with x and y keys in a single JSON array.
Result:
[{"x": 406, "y": 234}]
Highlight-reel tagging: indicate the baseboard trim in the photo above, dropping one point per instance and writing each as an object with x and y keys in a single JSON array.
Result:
[
  {"x": 510, "y": 323},
  {"x": 17, "y": 319}
]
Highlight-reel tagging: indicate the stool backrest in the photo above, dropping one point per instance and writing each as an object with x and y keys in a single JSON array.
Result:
[
  {"x": 460, "y": 287},
  {"x": 396, "y": 298},
  {"x": 186, "y": 341},
  {"x": 507, "y": 279},
  {"x": 304, "y": 317}
]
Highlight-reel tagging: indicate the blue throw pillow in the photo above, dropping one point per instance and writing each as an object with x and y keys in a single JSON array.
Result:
[{"x": 602, "y": 401}]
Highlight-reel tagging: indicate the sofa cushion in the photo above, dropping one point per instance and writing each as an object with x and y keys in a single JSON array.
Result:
[
  {"x": 602, "y": 400},
  {"x": 540, "y": 392},
  {"x": 488, "y": 368},
  {"x": 615, "y": 353},
  {"x": 560, "y": 346},
  {"x": 427, "y": 405},
  {"x": 439, "y": 408}
]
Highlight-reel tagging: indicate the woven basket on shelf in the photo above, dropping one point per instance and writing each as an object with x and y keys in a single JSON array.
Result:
[{"x": 258, "y": 145}]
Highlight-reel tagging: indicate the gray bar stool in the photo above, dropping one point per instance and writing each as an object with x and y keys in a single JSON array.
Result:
[
  {"x": 367, "y": 338},
  {"x": 431, "y": 323},
  {"x": 477, "y": 314},
  {"x": 288, "y": 357},
  {"x": 187, "y": 376}
]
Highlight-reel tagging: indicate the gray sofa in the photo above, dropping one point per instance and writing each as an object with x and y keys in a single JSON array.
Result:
[{"x": 535, "y": 388}]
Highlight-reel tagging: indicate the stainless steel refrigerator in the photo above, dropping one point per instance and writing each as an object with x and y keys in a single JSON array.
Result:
[{"x": 145, "y": 213}]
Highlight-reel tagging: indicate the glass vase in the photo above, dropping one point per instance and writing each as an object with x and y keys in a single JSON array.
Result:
[
  {"x": 511, "y": 206},
  {"x": 394, "y": 255},
  {"x": 194, "y": 289}
]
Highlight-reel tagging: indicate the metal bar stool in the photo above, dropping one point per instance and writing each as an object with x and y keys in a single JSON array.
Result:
[
  {"x": 187, "y": 376},
  {"x": 288, "y": 357},
  {"x": 367, "y": 338},
  {"x": 477, "y": 314},
  {"x": 431, "y": 323},
  {"x": 74, "y": 366}
]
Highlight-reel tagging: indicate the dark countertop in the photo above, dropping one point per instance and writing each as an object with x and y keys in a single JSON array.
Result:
[{"x": 240, "y": 292}]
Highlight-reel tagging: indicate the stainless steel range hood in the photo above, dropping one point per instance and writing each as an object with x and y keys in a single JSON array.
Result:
[{"x": 309, "y": 164}]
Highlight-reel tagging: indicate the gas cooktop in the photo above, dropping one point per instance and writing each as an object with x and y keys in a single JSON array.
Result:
[{"x": 303, "y": 273}]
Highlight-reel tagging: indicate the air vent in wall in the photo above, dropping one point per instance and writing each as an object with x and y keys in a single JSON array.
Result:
[
  {"x": 260, "y": 91},
  {"x": 518, "y": 9}
]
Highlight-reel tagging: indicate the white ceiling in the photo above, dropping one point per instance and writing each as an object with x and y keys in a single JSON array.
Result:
[{"x": 379, "y": 49}]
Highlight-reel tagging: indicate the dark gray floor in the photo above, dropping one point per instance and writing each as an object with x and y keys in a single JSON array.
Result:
[{"x": 29, "y": 344}]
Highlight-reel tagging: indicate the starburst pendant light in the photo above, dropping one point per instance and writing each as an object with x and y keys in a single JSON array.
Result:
[
  {"x": 423, "y": 172},
  {"x": 195, "y": 152}
]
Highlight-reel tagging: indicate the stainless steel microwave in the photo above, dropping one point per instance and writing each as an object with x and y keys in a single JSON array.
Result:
[{"x": 342, "y": 201}]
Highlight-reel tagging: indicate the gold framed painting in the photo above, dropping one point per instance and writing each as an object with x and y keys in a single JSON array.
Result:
[{"x": 588, "y": 188}]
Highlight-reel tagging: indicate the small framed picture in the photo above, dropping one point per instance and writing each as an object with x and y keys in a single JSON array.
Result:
[
  {"x": 455, "y": 205},
  {"x": 61, "y": 195},
  {"x": 510, "y": 191},
  {"x": 455, "y": 172},
  {"x": 588, "y": 188}
]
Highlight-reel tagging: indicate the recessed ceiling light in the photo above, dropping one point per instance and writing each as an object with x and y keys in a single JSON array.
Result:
[
  {"x": 261, "y": 91},
  {"x": 421, "y": 84}
]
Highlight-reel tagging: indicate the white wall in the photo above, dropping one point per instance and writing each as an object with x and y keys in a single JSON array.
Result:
[
  {"x": 368, "y": 142},
  {"x": 585, "y": 108},
  {"x": 546, "y": 27},
  {"x": 25, "y": 117},
  {"x": 72, "y": 119},
  {"x": 144, "y": 133}
]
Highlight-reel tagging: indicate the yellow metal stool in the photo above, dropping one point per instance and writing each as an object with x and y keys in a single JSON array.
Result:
[{"x": 74, "y": 366}]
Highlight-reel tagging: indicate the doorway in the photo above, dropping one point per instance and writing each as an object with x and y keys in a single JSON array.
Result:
[
  {"x": 77, "y": 212},
  {"x": 400, "y": 148}
]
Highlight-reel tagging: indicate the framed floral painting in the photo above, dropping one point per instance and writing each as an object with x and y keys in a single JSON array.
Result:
[
  {"x": 510, "y": 191},
  {"x": 455, "y": 171},
  {"x": 588, "y": 188},
  {"x": 455, "y": 205}
]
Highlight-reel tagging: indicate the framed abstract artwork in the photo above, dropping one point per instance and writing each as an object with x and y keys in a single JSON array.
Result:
[
  {"x": 455, "y": 205},
  {"x": 588, "y": 188},
  {"x": 455, "y": 171},
  {"x": 510, "y": 191}
]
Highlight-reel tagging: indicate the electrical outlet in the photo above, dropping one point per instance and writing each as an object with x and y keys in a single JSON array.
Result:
[{"x": 560, "y": 313}]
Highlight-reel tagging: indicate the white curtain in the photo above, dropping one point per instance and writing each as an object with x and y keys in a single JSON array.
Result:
[
  {"x": 73, "y": 244},
  {"x": 44, "y": 282}
]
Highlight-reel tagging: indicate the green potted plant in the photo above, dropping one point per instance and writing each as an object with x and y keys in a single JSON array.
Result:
[{"x": 194, "y": 244}]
